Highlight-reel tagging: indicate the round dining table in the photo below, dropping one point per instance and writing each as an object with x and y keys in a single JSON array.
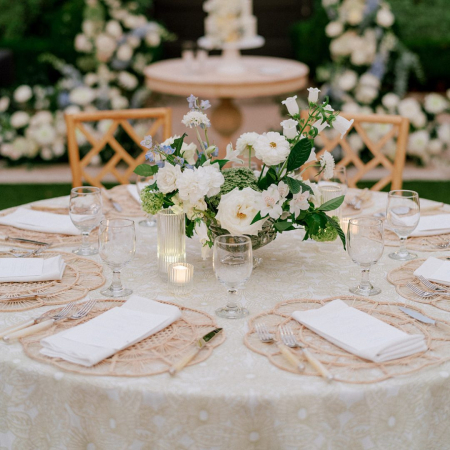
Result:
[{"x": 236, "y": 399}]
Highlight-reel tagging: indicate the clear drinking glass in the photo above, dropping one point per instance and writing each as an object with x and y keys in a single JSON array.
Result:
[
  {"x": 85, "y": 210},
  {"x": 403, "y": 215},
  {"x": 339, "y": 179},
  {"x": 365, "y": 245},
  {"x": 117, "y": 246},
  {"x": 233, "y": 265},
  {"x": 141, "y": 183}
]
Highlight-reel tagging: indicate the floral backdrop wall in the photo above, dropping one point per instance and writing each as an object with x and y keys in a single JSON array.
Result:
[{"x": 115, "y": 43}]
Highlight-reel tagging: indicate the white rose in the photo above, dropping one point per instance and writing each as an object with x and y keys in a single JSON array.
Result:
[
  {"x": 82, "y": 43},
  {"x": 289, "y": 128},
  {"x": 291, "y": 105},
  {"x": 167, "y": 177},
  {"x": 82, "y": 95},
  {"x": 435, "y": 103},
  {"x": 385, "y": 18},
  {"x": 19, "y": 119},
  {"x": 272, "y": 148},
  {"x": 347, "y": 80},
  {"x": 113, "y": 28},
  {"x": 193, "y": 184},
  {"x": 435, "y": 146},
  {"x": 313, "y": 95},
  {"x": 334, "y": 29},
  {"x": 22, "y": 94},
  {"x": 237, "y": 209},
  {"x": 124, "y": 52},
  {"x": 4, "y": 104},
  {"x": 443, "y": 132},
  {"x": 390, "y": 100},
  {"x": 119, "y": 102},
  {"x": 418, "y": 142}
]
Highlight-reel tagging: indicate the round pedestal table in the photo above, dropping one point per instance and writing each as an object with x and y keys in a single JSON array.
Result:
[
  {"x": 235, "y": 399},
  {"x": 263, "y": 76}
]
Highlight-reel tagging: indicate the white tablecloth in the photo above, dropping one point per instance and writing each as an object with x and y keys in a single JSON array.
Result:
[{"x": 236, "y": 399}]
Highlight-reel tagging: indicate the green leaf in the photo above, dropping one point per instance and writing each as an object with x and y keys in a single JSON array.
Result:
[
  {"x": 190, "y": 225},
  {"x": 283, "y": 226},
  {"x": 145, "y": 170},
  {"x": 299, "y": 154},
  {"x": 269, "y": 179},
  {"x": 313, "y": 223},
  {"x": 294, "y": 185},
  {"x": 257, "y": 217},
  {"x": 332, "y": 204},
  {"x": 337, "y": 227},
  {"x": 178, "y": 143},
  {"x": 221, "y": 162}
]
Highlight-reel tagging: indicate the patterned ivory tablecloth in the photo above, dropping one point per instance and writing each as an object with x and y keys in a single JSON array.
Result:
[{"x": 235, "y": 399}]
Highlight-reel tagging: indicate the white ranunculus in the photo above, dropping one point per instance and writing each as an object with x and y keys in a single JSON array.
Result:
[
  {"x": 419, "y": 120},
  {"x": 4, "y": 104},
  {"x": 153, "y": 39},
  {"x": 342, "y": 125},
  {"x": 299, "y": 202},
  {"x": 327, "y": 163},
  {"x": 291, "y": 105},
  {"x": 127, "y": 80},
  {"x": 435, "y": 147},
  {"x": 214, "y": 176},
  {"x": 272, "y": 148},
  {"x": 347, "y": 80},
  {"x": 435, "y": 103},
  {"x": 409, "y": 107},
  {"x": 289, "y": 128},
  {"x": 82, "y": 95},
  {"x": 44, "y": 135},
  {"x": 19, "y": 119},
  {"x": 313, "y": 96},
  {"x": 270, "y": 203},
  {"x": 113, "y": 28},
  {"x": 443, "y": 132},
  {"x": 192, "y": 184},
  {"x": 195, "y": 119},
  {"x": 237, "y": 209},
  {"x": 418, "y": 142},
  {"x": 124, "y": 52},
  {"x": 22, "y": 94},
  {"x": 334, "y": 29},
  {"x": 167, "y": 177},
  {"x": 246, "y": 142},
  {"x": 82, "y": 43},
  {"x": 390, "y": 101},
  {"x": 119, "y": 102},
  {"x": 385, "y": 18}
]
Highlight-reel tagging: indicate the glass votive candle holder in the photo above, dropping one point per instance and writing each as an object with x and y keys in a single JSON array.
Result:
[{"x": 181, "y": 278}]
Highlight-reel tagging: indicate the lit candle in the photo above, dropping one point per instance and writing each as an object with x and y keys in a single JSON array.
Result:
[
  {"x": 180, "y": 274},
  {"x": 181, "y": 277}
]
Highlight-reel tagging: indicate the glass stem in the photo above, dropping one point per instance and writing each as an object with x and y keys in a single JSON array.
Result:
[
  {"x": 85, "y": 240},
  {"x": 116, "y": 284},
  {"x": 365, "y": 280},
  {"x": 402, "y": 250},
  {"x": 231, "y": 303}
]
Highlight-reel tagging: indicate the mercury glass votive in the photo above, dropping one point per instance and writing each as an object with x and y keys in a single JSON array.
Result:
[{"x": 181, "y": 278}]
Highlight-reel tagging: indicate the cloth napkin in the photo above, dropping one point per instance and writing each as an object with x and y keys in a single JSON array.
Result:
[
  {"x": 118, "y": 328},
  {"x": 31, "y": 269},
  {"x": 132, "y": 190},
  {"x": 435, "y": 269},
  {"x": 433, "y": 225},
  {"x": 45, "y": 222},
  {"x": 359, "y": 333}
]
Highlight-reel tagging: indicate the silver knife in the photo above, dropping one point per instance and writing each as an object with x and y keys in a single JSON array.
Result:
[
  {"x": 424, "y": 319},
  {"x": 199, "y": 344},
  {"x": 115, "y": 205},
  {"x": 26, "y": 240}
]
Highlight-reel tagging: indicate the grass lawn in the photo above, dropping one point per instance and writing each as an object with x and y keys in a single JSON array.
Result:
[{"x": 18, "y": 194}]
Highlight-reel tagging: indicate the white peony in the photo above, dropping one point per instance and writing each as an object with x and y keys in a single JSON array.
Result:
[
  {"x": 113, "y": 28},
  {"x": 299, "y": 202},
  {"x": 313, "y": 96},
  {"x": 19, "y": 119},
  {"x": 124, "y": 52},
  {"x": 418, "y": 142},
  {"x": 289, "y": 128},
  {"x": 82, "y": 95},
  {"x": 272, "y": 148},
  {"x": 347, "y": 80},
  {"x": 167, "y": 177},
  {"x": 334, "y": 29},
  {"x": 443, "y": 132},
  {"x": 390, "y": 100},
  {"x": 82, "y": 43},
  {"x": 385, "y": 18},
  {"x": 4, "y": 104},
  {"x": 270, "y": 202},
  {"x": 327, "y": 164},
  {"x": 214, "y": 176},
  {"x": 409, "y": 107},
  {"x": 192, "y": 184},
  {"x": 435, "y": 147},
  {"x": 237, "y": 209},
  {"x": 22, "y": 94},
  {"x": 435, "y": 103},
  {"x": 246, "y": 142},
  {"x": 291, "y": 105},
  {"x": 195, "y": 119},
  {"x": 127, "y": 80}
]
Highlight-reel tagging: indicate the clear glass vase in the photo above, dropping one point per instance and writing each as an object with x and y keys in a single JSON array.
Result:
[{"x": 171, "y": 240}]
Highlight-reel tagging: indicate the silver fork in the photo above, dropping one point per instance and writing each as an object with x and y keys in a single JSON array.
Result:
[
  {"x": 432, "y": 286},
  {"x": 264, "y": 335},
  {"x": 420, "y": 292},
  {"x": 84, "y": 311},
  {"x": 288, "y": 338}
]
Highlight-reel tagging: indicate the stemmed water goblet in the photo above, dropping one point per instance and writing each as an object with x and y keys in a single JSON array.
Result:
[
  {"x": 233, "y": 265},
  {"x": 117, "y": 246},
  {"x": 141, "y": 183},
  {"x": 85, "y": 211},
  {"x": 403, "y": 215},
  {"x": 365, "y": 245}
]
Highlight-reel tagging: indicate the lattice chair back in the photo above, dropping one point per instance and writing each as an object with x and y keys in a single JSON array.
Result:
[
  {"x": 80, "y": 133},
  {"x": 376, "y": 132}
]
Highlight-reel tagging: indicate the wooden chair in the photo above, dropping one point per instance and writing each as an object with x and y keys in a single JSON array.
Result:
[
  {"x": 399, "y": 130},
  {"x": 76, "y": 122}
]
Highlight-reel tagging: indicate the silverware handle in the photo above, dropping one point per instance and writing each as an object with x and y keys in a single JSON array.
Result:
[
  {"x": 317, "y": 365},
  {"x": 30, "y": 330},
  {"x": 290, "y": 357},
  {"x": 184, "y": 361},
  {"x": 16, "y": 327},
  {"x": 26, "y": 240},
  {"x": 443, "y": 326}
]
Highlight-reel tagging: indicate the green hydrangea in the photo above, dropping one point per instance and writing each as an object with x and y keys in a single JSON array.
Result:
[
  {"x": 240, "y": 177},
  {"x": 328, "y": 233},
  {"x": 152, "y": 202}
]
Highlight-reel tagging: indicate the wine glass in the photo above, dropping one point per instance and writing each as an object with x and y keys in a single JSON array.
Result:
[
  {"x": 338, "y": 179},
  {"x": 85, "y": 210},
  {"x": 233, "y": 265},
  {"x": 365, "y": 246},
  {"x": 141, "y": 183},
  {"x": 403, "y": 215},
  {"x": 117, "y": 246}
]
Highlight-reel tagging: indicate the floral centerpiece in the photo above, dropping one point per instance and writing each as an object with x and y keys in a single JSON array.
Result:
[{"x": 236, "y": 200}]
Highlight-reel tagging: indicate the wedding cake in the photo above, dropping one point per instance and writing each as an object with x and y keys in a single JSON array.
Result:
[{"x": 229, "y": 21}]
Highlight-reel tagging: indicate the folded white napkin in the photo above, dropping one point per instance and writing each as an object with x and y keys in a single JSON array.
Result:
[
  {"x": 45, "y": 222},
  {"x": 31, "y": 269},
  {"x": 132, "y": 190},
  {"x": 359, "y": 333},
  {"x": 118, "y": 328},
  {"x": 435, "y": 269},
  {"x": 433, "y": 225}
]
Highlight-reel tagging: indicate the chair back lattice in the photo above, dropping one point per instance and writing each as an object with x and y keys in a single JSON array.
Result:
[
  {"x": 398, "y": 130},
  {"x": 161, "y": 122}
]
